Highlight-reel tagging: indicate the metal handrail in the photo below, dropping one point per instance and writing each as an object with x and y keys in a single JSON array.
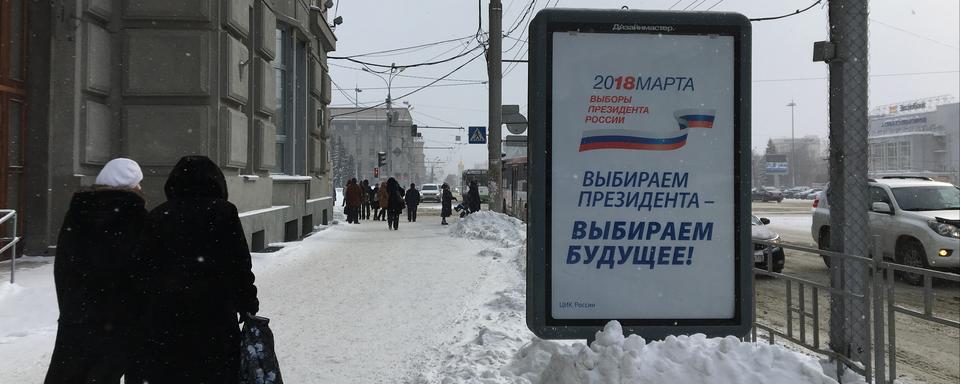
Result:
[
  {"x": 878, "y": 294},
  {"x": 11, "y": 215}
]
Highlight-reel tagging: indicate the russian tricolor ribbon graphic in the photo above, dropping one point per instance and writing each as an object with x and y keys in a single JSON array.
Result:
[{"x": 646, "y": 140}]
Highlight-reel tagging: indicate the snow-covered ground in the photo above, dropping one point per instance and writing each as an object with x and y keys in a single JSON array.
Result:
[{"x": 356, "y": 303}]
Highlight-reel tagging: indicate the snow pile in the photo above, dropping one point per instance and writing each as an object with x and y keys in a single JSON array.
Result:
[
  {"x": 613, "y": 358},
  {"x": 28, "y": 307},
  {"x": 492, "y": 226}
]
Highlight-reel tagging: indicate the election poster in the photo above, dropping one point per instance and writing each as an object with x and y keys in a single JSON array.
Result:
[
  {"x": 642, "y": 185},
  {"x": 642, "y": 131}
]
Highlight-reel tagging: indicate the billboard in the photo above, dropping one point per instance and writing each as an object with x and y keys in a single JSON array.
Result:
[
  {"x": 776, "y": 164},
  {"x": 640, "y": 149}
]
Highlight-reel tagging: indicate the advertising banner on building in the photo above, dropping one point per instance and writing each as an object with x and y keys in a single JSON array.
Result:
[
  {"x": 776, "y": 164},
  {"x": 642, "y": 118}
]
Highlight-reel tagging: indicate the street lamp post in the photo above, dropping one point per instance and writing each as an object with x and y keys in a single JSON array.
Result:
[
  {"x": 394, "y": 71},
  {"x": 356, "y": 124},
  {"x": 793, "y": 146}
]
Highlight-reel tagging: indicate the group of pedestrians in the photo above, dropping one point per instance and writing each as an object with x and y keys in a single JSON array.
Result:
[
  {"x": 387, "y": 200},
  {"x": 153, "y": 296}
]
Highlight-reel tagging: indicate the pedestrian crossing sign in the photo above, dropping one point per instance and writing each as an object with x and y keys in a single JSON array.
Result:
[{"x": 477, "y": 135}]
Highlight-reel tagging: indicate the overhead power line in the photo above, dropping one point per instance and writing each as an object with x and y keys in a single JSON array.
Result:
[
  {"x": 415, "y": 90},
  {"x": 797, "y": 12},
  {"x": 403, "y": 66},
  {"x": 715, "y": 4},
  {"x": 417, "y": 86},
  {"x": 913, "y": 34},
  {"x": 403, "y": 48},
  {"x": 877, "y": 75},
  {"x": 408, "y": 76}
]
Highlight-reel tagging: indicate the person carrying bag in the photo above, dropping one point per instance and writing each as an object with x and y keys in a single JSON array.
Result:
[{"x": 258, "y": 359}]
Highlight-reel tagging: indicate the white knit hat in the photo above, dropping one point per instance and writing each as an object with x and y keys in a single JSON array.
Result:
[{"x": 120, "y": 173}]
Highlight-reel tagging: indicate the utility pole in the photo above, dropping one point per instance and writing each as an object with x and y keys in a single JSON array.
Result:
[
  {"x": 793, "y": 148},
  {"x": 846, "y": 54},
  {"x": 356, "y": 106},
  {"x": 494, "y": 73}
]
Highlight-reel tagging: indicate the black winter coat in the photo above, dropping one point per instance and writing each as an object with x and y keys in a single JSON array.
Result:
[
  {"x": 197, "y": 278},
  {"x": 371, "y": 195},
  {"x": 412, "y": 197},
  {"x": 473, "y": 200},
  {"x": 92, "y": 272},
  {"x": 446, "y": 200},
  {"x": 395, "y": 199}
]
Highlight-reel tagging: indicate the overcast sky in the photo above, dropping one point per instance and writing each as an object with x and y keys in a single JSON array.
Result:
[{"x": 907, "y": 38}]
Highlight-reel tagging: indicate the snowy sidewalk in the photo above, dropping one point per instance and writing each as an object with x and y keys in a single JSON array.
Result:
[{"x": 356, "y": 303}]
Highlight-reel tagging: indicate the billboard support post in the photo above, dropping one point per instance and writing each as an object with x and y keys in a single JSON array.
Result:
[{"x": 639, "y": 153}]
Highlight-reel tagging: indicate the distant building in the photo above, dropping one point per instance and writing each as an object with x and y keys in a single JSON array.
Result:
[
  {"x": 359, "y": 134},
  {"x": 807, "y": 156},
  {"x": 919, "y": 138}
]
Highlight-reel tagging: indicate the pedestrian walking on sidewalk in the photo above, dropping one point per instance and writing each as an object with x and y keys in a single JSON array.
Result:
[
  {"x": 446, "y": 202},
  {"x": 383, "y": 198},
  {"x": 365, "y": 204},
  {"x": 92, "y": 269},
  {"x": 412, "y": 198},
  {"x": 196, "y": 278},
  {"x": 354, "y": 200},
  {"x": 394, "y": 203},
  {"x": 375, "y": 201}
]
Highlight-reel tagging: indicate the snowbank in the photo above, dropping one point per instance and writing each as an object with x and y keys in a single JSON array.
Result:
[
  {"x": 492, "y": 226},
  {"x": 613, "y": 358}
]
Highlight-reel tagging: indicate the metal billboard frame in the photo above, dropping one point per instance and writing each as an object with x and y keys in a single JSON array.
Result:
[{"x": 539, "y": 318}]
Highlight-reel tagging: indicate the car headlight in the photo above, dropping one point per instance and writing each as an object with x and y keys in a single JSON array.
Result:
[
  {"x": 944, "y": 229},
  {"x": 776, "y": 240}
]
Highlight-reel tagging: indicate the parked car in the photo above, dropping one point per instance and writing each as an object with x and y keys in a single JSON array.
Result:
[
  {"x": 794, "y": 193},
  {"x": 766, "y": 194},
  {"x": 917, "y": 221},
  {"x": 812, "y": 193},
  {"x": 764, "y": 252},
  {"x": 430, "y": 192}
]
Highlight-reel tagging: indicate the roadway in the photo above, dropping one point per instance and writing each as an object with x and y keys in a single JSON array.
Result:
[{"x": 926, "y": 351}]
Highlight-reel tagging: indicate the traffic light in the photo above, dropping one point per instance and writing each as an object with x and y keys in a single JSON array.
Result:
[
  {"x": 381, "y": 159},
  {"x": 413, "y": 130},
  {"x": 376, "y": 172}
]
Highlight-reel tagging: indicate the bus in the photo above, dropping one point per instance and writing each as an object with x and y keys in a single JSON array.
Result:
[
  {"x": 480, "y": 176},
  {"x": 514, "y": 187}
]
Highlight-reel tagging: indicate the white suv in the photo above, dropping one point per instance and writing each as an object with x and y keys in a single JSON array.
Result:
[
  {"x": 430, "y": 192},
  {"x": 916, "y": 218}
]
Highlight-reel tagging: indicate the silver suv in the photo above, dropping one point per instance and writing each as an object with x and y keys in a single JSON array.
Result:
[
  {"x": 430, "y": 192},
  {"x": 916, "y": 218}
]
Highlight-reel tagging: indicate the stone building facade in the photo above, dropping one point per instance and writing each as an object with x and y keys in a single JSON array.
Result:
[
  {"x": 244, "y": 82},
  {"x": 358, "y": 134}
]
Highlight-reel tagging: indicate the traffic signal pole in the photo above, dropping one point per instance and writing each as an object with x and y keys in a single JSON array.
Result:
[{"x": 494, "y": 74}]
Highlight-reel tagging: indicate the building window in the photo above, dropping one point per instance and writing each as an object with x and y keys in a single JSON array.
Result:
[
  {"x": 290, "y": 67},
  {"x": 905, "y": 154},
  {"x": 891, "y": 156}
]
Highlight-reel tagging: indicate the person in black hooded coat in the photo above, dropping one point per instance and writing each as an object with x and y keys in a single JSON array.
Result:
[
  {"x": 473, "y": 197},
  {"x": 197, "y": 279},
  {"x": 394, "y": 203},
  {"x": 95, "y": 257}
]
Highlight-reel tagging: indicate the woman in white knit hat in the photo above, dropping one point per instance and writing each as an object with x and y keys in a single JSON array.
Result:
[{"x": 92, "y": 272}]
